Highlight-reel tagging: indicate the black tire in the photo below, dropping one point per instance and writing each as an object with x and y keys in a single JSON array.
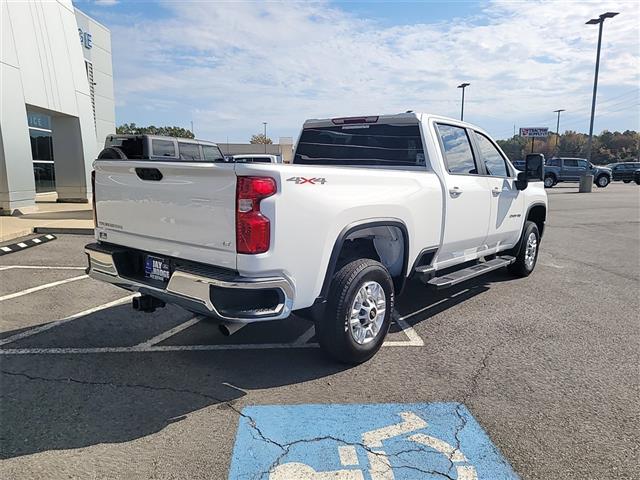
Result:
[
  {"x": 627, "y": 181},
  {"x": 602, "y": 181},
  {"x": 549, "y": 181},
  {"x": 521, "y": 267},
  {"x": 638, "y": 182},
  {"x": 333, "y": 331}
]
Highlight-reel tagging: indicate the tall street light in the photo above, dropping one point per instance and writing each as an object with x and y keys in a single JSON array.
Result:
[
  {"x": 463, "y": 86},
  {"x": 586, "y": 180},
  {"x": 558, "y": 127},
  {"x": 265, "y": 136}
]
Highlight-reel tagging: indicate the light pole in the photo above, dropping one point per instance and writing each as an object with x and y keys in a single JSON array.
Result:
[
  {"x": 558, "y": 127},
  {"x": 586, "y": 181},
  {"x": 265, "y": 136},
  {"x": 463, "y": 86}
]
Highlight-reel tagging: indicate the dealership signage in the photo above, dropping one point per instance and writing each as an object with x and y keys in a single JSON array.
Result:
[
  {"x": 85, "y": 39},
  {"x": 534, "y": 132}
]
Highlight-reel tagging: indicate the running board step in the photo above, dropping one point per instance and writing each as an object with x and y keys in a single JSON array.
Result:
[{"x": 459, "y": 276}]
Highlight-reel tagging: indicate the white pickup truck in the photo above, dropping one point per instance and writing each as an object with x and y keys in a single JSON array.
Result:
[{"x": 368, "y": 203}]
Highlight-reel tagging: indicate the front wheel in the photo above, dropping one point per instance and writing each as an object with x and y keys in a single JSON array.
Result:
[
  {"x": 627, "y": 181},
  {"x": 358, "y": 312},
  {"x": 528, "y": 254},
  {"x": 602, "y": 181}
]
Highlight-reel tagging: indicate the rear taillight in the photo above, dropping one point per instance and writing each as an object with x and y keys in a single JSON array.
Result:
[
  {"x": 252, "y": 228},
  {"x": 93, "y": 198}
]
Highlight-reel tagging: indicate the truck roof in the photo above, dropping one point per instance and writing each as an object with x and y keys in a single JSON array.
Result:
[
  {"x": 397, "y": 118},
  {"x": 160, "y": 137}
]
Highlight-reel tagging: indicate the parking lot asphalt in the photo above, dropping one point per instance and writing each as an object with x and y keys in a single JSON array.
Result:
[{"x": 549, "y": 365}]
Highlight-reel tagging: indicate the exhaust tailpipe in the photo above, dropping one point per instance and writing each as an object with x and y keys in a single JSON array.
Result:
[{"x": 228, "y": 329}]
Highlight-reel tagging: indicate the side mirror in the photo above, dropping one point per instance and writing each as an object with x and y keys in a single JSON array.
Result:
[{"x": 521, "y": 181}]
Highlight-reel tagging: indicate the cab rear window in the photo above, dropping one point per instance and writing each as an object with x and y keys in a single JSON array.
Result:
[{"x": 370, "y": 144}]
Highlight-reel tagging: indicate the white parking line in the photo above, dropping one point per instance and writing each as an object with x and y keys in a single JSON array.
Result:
[
  {"x": 170, "y": 333},
  {"x": 42, "y": 287},
  {"x": 154, "y": 348},
  {"x": 42, "y": 328},
  {"x": 150, "y": 346},
  {"x": 306, "y": 336},
  {"x": 414, "y": 338},
  {"x": 39, "y": 267}
]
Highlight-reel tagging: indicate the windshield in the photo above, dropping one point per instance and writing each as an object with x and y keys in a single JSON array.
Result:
[{"x": 374, "y": 144}]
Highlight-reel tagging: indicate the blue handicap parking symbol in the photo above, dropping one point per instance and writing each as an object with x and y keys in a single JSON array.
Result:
[{"x": 364, "y": 442}]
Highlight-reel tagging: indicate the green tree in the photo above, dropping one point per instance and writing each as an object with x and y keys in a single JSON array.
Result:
[
  {"x": 133, "y": 129},
  {"x": 261, "y": 139}
]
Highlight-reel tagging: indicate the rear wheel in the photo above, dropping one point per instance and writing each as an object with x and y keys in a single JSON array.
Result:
[
  {"x": 528, "y": 254},
  {"x": 602, "y": 181},
  {"x": 549, "y": 181},
  {"x": 627, "y": 181},
  {"x": 358, "y": 312}
]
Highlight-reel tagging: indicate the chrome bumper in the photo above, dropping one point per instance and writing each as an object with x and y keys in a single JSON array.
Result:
[{"x": 192, "y": 289}]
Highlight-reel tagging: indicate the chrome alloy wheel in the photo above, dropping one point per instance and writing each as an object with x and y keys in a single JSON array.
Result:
[
  {"x": 367, "y": 313},
  {"x": 530, "y": 250}
]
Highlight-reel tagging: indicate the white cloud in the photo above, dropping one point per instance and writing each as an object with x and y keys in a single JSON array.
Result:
[
  {"x": 106, "y": 3},
  {"x": 230, "y": 66}
]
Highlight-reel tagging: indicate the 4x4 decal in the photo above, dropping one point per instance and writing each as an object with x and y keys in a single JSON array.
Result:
[{"x": 312, "y": 181}]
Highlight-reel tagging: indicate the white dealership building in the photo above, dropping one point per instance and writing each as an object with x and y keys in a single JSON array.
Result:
[{"x": 57, "y": 101}]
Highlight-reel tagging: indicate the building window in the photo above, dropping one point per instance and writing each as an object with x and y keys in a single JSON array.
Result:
[
  {"x": 42, "y": 152},
  {"x": 92, "y": 89}
]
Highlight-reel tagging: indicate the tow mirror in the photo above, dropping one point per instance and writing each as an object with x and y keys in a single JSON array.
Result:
[
  {"x": 533, "y": 170},
  {"x": 534, "y": 167}
]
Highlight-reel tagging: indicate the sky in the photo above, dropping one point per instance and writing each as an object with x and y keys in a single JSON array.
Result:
[{"x": 229, "y": 66}]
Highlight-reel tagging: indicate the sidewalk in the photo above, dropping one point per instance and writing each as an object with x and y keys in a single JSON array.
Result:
[{"x": 47, "y": 214}]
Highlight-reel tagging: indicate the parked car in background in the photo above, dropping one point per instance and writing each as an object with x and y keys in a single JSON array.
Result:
[
  {"x": 561, "y": 169},
  {"x": 257, "y": 158},
  {"x": 160, "y": 148},
  {"x": 519, "y": 164},
  {"x": 623, "y": 171}
]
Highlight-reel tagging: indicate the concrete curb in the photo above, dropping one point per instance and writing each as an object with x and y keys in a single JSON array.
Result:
[
  {"x": 32, "y": 242},
  {"x": 64, "y": 230}
]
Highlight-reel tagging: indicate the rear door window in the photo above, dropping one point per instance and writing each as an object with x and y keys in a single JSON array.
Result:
[
  {"x": 570, "y": 162},
  {"x": 212, "y": 153},
  {"x": 493, "y": 160},
  {"x": 457, "y": 150},
  {"x": 366, "y": 145},
  {"x": 189, "y": 152},
  {"x": 163, "y": 148}
]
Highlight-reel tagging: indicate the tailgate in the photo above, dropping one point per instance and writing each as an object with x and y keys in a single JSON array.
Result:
[{"x": 186, "y": 211}]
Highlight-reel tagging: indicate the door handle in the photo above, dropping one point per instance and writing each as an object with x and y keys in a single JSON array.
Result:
[
  {"x": 455, "y": 192},
  {"x": 496, "y": 191}
]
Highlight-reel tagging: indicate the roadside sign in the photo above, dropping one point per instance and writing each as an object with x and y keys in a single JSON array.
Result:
[
  {"x": 534, "y": 132},
  {"x": 365, "y": 442}
]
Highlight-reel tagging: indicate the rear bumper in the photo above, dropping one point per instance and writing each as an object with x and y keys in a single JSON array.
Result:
[{"x": 199, "y": 288}]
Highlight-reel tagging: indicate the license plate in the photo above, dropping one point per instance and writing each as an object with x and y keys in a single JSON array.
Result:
[{"x": 156, "y": 268}]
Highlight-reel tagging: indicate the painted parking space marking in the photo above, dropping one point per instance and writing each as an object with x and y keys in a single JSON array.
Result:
[
  {"x": 47, "y": 326},
  {"x": 170, "y": 333},
  {"x": 365, "y": 442},
  {"x": 42, "y": 287},
  {"x": 154, "y": 344},
  {"x": 39, "y": 267}
]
